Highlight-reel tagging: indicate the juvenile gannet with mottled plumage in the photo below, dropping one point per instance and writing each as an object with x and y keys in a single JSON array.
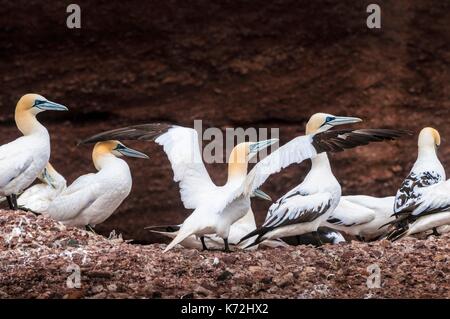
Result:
[
  {"x": 92, "y": 198},
  {"x": 307, "y": 206},
  {"x": 362, "y": 216},
  {"x": 22, "y": 160},
  {"x": 37, "y": 198},
  {"x": 216, "y": 208},
  {"x": 423, "y": 200}
]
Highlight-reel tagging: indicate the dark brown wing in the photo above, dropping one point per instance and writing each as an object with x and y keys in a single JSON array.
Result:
[
  {"x": 135, "y": 132},
  {"x": 339, "y": 140}
]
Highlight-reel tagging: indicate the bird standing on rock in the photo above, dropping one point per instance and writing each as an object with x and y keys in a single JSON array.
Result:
[
  {"x": 92, "y": 198},
  {"x": 22, "y": 160}
]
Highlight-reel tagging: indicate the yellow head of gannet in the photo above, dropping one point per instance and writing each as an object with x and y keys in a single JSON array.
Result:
[
  {"x": 51, "y": 177},
  {"x": 115, "y": 148},
  {"x": 321, "y": 122},
  {"x": 28, "y": 107},
  {"x": 242, "y": 154},
  {"x": 429, "y": 137}
]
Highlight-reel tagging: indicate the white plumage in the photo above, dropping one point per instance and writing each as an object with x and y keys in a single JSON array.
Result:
[
  {"x": 92, "y": 198},
  {"x": 303, "y": 209},
  {"x": 362, "y": 216},
  {"x": 423, "y": 200},
  {"x": 38, "y": 197},
  {"x": 22, "y": 160},
  {"x": 216, "y": 208},
  {"x": 240, "y": 228}
]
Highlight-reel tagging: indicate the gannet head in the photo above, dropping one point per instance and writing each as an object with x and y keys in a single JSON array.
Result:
[
  {"x": 243, "y": 153},
  {"x": 29, "y": 106},
  {"x": 429, "y": 137},
  {"x": 115, "y": 148},
  {"x": 321, "y": 122},
  {"x": 51, "y": 177}
]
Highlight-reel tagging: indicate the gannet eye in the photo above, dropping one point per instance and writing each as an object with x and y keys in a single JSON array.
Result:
[
  {"x": 329, "y": 119},
  {"x": 38, "y": 102}
]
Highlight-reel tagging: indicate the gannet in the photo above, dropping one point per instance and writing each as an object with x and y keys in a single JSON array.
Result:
[
  {"x": 37, "y": 198},
  {"x": 216, "y": 208},
  {"x": 224, "y": 205},
  {"x": 92, "y": 198},
  {"x": 323, "y": 235},
  {"x": 423, "y": 200},
  {"x": 307, "y": 206},
  {"x": 364, "y": 217},
  {"x": 240, "y": 228},
  {"x": 23, "y": 159}
]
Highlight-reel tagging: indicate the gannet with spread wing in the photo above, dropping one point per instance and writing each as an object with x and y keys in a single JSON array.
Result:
[
  {"x": 216, "y": 208},
  {"x": 304, "y": 208}
]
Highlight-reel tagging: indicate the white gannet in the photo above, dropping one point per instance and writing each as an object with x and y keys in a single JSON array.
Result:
[
  {"x": 37, "y": 198},
  {"x": 303, "y": 209},
  {"x": 423, "y": 200},
  {"x": 240, "y": 228},
  {"x": 216, "y": 208},
  {"x": 23, "y": 159},
  {"x": 92, "y": 198},
  {"x": 364, "y": 217}
]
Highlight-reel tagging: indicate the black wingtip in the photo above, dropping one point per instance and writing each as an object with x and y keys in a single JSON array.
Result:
[{"x": 149, "y": 131}]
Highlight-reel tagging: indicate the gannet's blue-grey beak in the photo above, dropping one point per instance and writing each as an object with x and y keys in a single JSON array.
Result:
[
  {"x": 341, "y": 120},
  {"x": 126, "y": 151},
  {"x": 48, "y": 179},
  {"x": 46, "y": 105},
  {"x": 260, "y": 194},
  {"x": 259, "y": 146}
]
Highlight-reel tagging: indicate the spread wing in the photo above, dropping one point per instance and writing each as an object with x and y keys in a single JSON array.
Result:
[
  {"x": 308, "y": 146},
  {"x": 136, "y": 132},
  {"x": 182, "y": 147},
  {"x": 350, "y": 214}
]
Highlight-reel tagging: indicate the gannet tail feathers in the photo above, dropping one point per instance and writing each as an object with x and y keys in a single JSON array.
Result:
[
  {"x": 257, "y": 232},
  {"x": 136, "y": 132},
  {"x": 182, "y": 235}
]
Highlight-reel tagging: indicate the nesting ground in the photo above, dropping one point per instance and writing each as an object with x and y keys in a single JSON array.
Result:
[{"x": 38, "y": 255}]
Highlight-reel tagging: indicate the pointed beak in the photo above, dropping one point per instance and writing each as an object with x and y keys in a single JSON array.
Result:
[
  {"x": 260, "y": 194},
  {"x": 126, "y": 151},
  {"x": 341, "y": 120},
  {"x": 48, "y": 179},
  {"x": 51, "y": 106},
  {"x": 259, "y": 146}
]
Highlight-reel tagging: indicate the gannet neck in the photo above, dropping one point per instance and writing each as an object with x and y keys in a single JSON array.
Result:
[
  {"x": 429, "y": 139},
  {"x": 426, "y": 152},
  {"x": 102, "y": 154},
  {"x": 27, "y": 123},
  {"x": 320, "y": 162},
  {"x": 238, "y": 163}
]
